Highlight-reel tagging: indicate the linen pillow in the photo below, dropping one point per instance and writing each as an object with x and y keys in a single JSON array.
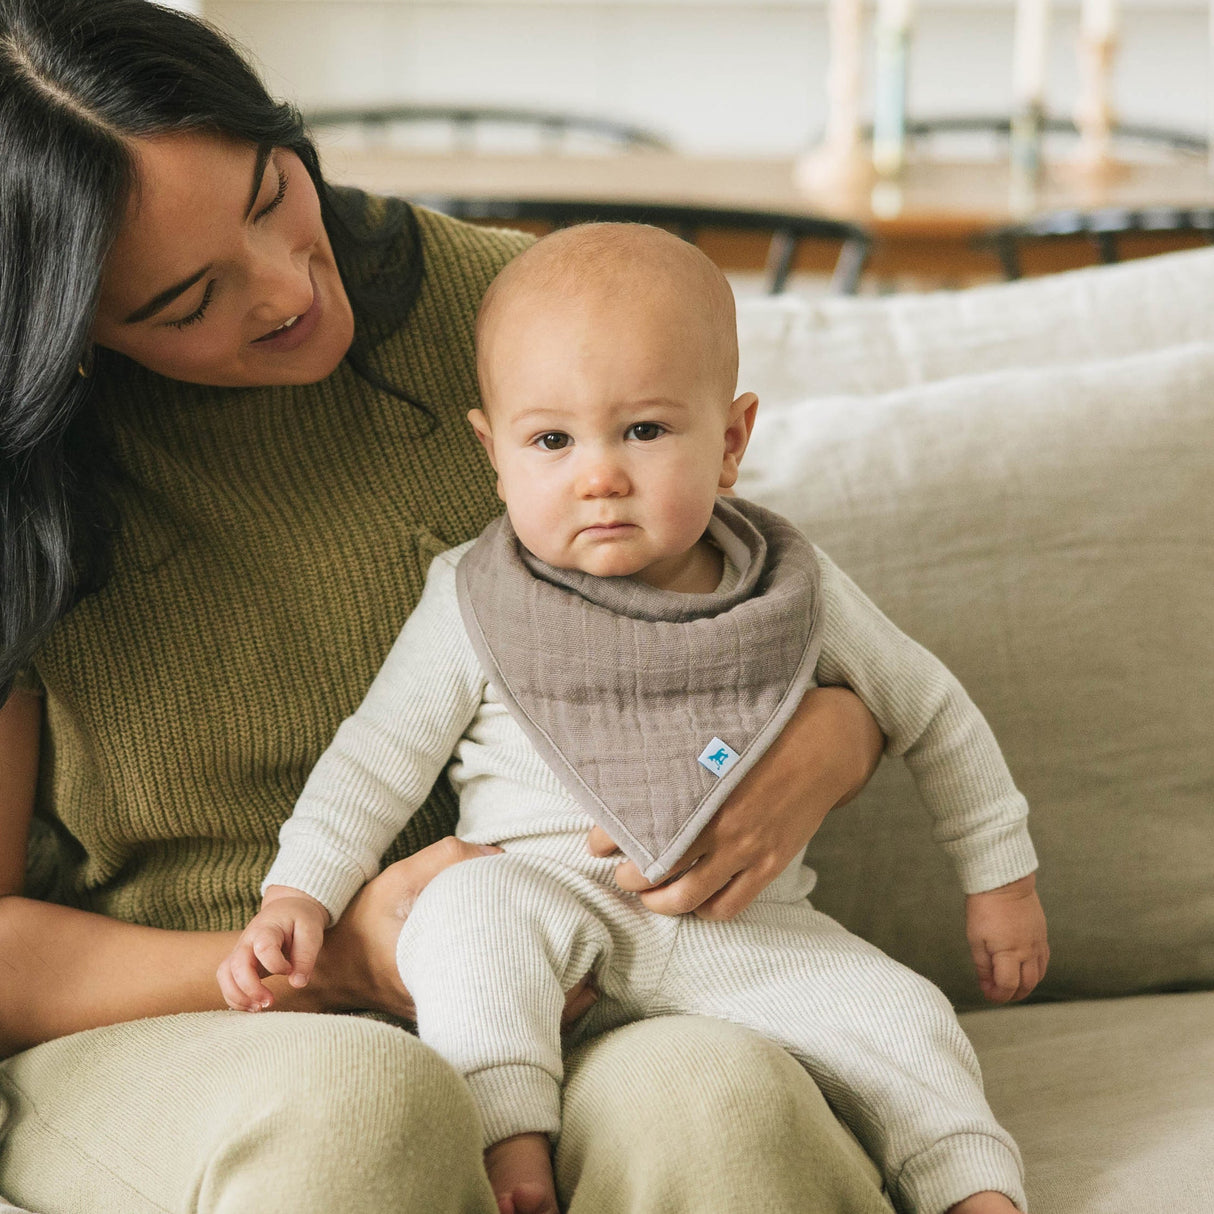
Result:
[
  {"x": 791, "y": 346},
  {"x": 1049, "y": 534}
]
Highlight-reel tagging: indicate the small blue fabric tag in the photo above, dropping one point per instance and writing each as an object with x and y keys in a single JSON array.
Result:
[{"x": 718, "y": 757}]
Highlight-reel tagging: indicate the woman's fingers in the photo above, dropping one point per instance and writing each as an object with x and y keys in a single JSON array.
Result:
[
  {"x": 579, "y": 1000},
  {"x": 699, "y": 877},
  {"x": 695, "y": 880},
  {"x": 600, "y": 843},
  {"x": 405, "y": 880},
  {"x": 357, "y": 967}
]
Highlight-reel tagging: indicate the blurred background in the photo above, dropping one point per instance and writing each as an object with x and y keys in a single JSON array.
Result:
[{"x": 740, "y": 94}]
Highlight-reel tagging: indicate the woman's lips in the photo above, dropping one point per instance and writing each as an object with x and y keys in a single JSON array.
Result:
[{"x": 283, "y": 340}]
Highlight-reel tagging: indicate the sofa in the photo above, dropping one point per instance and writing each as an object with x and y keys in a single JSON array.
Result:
[{"x": 1022, "y": 477}]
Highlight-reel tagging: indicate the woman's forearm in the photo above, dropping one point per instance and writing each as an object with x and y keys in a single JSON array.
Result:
[
  {"x": 64, "y": 970},
  {"x": 860, "y": 740}
]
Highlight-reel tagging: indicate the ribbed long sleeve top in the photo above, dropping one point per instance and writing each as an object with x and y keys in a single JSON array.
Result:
[{"x": 432, "y": 700}]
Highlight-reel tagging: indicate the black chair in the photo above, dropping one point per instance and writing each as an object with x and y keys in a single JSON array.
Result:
[
  {"x": 787, "y": 231},
  {"x": 1128, "y": 136},
  {"x": 553, "y": 129},
  {"x": 1104, "y": 228}
]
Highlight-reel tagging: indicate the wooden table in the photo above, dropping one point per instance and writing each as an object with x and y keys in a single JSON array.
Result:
[{"x": 923, "y": 226}]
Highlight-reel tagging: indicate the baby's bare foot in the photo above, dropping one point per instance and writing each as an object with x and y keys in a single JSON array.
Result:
[
  {"x": 520, "y": 1171},
  {"x": 985, "y": 1202}
]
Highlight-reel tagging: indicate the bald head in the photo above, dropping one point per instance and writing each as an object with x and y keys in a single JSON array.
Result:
[{"x": 628, "y": 267}]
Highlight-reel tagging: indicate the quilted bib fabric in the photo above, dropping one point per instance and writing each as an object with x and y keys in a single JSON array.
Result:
[{"x": 649, "y": 705}]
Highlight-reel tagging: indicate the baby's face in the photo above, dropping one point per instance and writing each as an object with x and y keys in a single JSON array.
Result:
[{"x": 611, "y": 429}]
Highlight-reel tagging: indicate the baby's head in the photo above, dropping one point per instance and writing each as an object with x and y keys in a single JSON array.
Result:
[{"x": 608, "y": 361}]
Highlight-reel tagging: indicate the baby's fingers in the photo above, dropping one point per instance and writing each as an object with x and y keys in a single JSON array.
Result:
[
  {"x": 241, "y": 984},
  {"x": 268, "y": 947},
  {"x": 1010, "y": 976},
  {"x": 305, "y": 948}
]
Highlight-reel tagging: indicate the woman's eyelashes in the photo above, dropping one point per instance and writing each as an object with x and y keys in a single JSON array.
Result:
[
  {"x": 199, "y": 312},
  {"x": 276, "y": 201},
  {"x": 270, "y": 207}
]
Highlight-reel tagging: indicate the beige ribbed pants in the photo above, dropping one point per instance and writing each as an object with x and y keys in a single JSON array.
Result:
[
  {"x": 493, "y": 944},
  {"x": 231, "y": 1113}
]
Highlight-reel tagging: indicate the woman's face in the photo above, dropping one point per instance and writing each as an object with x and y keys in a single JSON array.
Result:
[{"x": 222, "y": 272}]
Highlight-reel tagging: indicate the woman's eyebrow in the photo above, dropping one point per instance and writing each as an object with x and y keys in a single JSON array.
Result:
[{"x": 167, "y": 296}]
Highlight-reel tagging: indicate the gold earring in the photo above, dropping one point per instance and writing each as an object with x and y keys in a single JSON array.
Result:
[{"x": 85, "y": 366}]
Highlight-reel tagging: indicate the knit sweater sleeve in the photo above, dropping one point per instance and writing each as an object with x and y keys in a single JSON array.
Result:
[
  {"x": 979, "y": 816},
  {"x": 384, "y": 758}
]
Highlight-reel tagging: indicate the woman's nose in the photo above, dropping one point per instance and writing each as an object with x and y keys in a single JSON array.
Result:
[{"x": 281, "y": 281}]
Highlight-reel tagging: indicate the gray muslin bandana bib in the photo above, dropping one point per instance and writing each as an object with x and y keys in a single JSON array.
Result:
[{"x": 649, "y": 705}]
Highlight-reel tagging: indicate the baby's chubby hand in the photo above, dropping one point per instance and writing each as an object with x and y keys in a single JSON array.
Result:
[
  {"x": 1005, "y": 928},
  {"x": 284, "y": 937}
]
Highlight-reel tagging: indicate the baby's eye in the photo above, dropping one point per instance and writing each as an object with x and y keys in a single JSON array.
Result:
[
  {"x": 646, "y": 432},
  {"x": 554, "y": 440}
]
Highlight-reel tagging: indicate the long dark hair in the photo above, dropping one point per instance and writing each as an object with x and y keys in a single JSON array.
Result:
[{"x": 78, "y": 80}]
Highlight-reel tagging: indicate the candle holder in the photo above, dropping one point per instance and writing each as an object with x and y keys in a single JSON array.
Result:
[
  {"x": 842, "y": 164},
  {"x": 889, "y": 100}
]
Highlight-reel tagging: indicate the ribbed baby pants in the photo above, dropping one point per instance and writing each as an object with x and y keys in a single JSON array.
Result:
[{"x": 492, "y": 946}]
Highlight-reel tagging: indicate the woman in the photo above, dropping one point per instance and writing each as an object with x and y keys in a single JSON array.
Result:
[{"x": 231, "y": 438}]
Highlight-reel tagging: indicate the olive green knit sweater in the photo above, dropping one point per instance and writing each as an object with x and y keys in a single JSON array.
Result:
[{"x": 275, "y": 542}]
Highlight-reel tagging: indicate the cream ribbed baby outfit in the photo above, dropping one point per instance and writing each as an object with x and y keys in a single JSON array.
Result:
[{"x": 492, "y": 945}]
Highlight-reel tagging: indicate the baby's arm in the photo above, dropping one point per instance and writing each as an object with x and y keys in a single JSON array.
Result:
[
  {"x": 979, "y": 816},
  {"x": 365, "y": 787},
  {"x": 284, "y": 937},
  {"x": 386, "y": 756}
]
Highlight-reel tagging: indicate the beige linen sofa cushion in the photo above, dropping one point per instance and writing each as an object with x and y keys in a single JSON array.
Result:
[
  {"x": 1049, "y": 533},
  {"x": 791, "y": 348},
  {"x": 1111, "y": 1101}
]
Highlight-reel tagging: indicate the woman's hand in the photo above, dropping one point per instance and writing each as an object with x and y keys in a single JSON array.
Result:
[
  {"x": 356, "y": 969},
  {"x": 824, "y": 756}
]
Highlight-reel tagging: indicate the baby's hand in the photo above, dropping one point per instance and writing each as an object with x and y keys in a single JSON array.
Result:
[
  {"x": 284, "y": 937},
  {"x": 1006, "y": 932}
]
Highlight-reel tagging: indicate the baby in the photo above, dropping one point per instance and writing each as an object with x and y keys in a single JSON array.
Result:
[{"x": 618, "y": 650}]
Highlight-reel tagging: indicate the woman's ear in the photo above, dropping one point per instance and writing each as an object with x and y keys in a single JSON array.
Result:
[{"x": 737, "y": 434}]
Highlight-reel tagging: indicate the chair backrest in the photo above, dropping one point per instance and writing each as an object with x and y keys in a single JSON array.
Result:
[
  {"x": 787, "y": 232},
  {"x": 1105, "y": 228},
  {"x": 469, "y": 128},
  {"x": 1133, "y": 140}
]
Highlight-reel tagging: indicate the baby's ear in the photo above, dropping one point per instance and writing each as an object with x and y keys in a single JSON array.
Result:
[
  {"x": 737, "y": 434},
  {"x": 480, "y": 424}
]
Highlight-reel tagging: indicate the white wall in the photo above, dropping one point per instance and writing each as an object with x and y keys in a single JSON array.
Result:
[{"x": 716, "y": 76}]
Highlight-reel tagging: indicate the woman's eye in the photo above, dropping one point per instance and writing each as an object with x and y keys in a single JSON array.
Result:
[
  {"x": 554, "y": 440},
  {"x": 646, "y": 432},
  {"x": 276, "y": 201},
  {"x": 199, "y": 312}
]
